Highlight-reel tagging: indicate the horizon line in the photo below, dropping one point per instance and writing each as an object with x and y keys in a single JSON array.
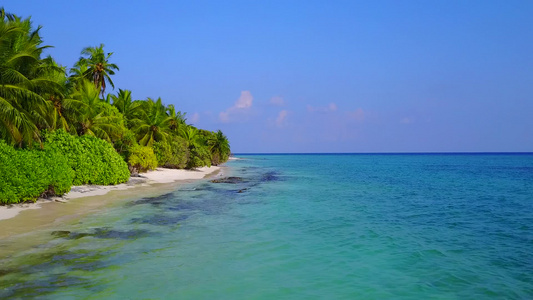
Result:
[{"x": 347, "y": 153}]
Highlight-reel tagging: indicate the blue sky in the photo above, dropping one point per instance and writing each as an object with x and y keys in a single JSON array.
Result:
[{"x": 318, "y": 76}]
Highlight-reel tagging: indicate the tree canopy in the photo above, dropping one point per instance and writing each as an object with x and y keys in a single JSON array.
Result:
[{"x": 37, "y": 94}]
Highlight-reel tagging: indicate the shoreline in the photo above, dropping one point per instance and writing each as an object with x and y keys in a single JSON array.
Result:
[
  {"x": 29, "y": 226},
  {"x": 157, "y": 176}
]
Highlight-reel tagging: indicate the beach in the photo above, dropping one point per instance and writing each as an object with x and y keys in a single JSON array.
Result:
[{"x": 81, "y": 200}]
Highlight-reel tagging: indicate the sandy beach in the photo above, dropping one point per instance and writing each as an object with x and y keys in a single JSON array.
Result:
[
  {"x": 26, "y": 225},
  {"x": 158, "y": 176}
]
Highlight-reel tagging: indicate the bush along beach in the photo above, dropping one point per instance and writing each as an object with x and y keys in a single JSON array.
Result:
[{"x": 60, "y": 126}]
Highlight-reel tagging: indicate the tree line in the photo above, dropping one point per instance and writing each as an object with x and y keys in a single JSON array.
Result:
[{"x": 41, "y": 102}]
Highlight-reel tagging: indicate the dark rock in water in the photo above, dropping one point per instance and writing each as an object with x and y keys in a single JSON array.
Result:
[
  {"x": 78, "y": 235},
  {"x": 270, "y": 176},
  {"x": 65, "y": 257},
  {"x": 154, "y": 201},
  {"x": 242, "y": 190},
  {"x": 231, "y": 180},
  {"x": 104, "y": 233},
  {"x": 61, "y": 233},
  {"x": 183, "y": 206},
  {"x": 161, "y": 220},
  {"x": 6, "y": 272},
  {"x": 107, "y": 233}
]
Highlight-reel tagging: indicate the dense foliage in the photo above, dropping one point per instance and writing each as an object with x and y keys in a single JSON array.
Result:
[
  {"x": 173, "y": 153},
  {"x": 142, "y": 159},
  {"x": 77, "y": 124},
  {"x": 26, "y": 174},
  {"x": 94, "y": 161}
]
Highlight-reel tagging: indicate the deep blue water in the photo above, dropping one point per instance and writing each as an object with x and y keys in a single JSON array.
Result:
[{"x": 364, "y": 226}]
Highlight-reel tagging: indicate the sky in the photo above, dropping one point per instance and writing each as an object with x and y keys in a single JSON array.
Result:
[{"x": 318, "y": 76}]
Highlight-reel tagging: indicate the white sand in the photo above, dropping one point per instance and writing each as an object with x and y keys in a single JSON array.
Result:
[
  {"x": 8, "y": 212},
  {"x": 170, "y": 175},
  {"x": 160, "y": 175}
]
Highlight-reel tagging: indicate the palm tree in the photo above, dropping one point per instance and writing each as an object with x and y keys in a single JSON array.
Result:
[
  {"x": 125, "y": 105},
  {"x": 152, "y": 123},
  {"x": 177, "y": 119},
  {"x": 98, "y": 67},
  {"x": 219, "y": 146},
  {"x": 23, "y": 79},
  {"x": 199, "y": 154},
  {"x": 6, "y": 16},
  {"x": 77, "y": 76},
  {"x": 191, "y": 135},
  {"x": 59, "y": 113},
  {"x": 94, "y": 116}
]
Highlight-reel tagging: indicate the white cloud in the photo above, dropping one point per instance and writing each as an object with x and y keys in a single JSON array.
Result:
[
  {"x": 330, "y": 108},
  {"x": 407, "y": 120},
  {"x": 195, "y": 117},
  {"x": 357, "y": 115},
  {"x": 277, "y": 100},
  {"x": 282, "y": 118},
  {"x": 224, "y": 117},
  {"x": 245, "y": 100},
  {"x": 238, "y": 110}
]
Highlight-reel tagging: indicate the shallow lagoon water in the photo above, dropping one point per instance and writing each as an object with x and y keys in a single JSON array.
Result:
[{"x": 452, "y": 226}]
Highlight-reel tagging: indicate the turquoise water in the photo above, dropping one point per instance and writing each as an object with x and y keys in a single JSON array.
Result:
[{"x": 305, "y": 227}]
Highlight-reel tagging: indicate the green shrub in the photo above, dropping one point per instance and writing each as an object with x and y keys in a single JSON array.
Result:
[
  {"x": 112, "y": 169},
  {"x": 199, "y": 157},
  {"x": 142, "y": 159},
  {"x": 216, "y": 159},
  {"x": 172, "y": 153},
  {"x": 78, "y": 156},
  {"x": 61, "y": 175},
  {"x": 125, "y": 143},
  {"x": 27, "y": 174},
  {"x": 93, "y": 160}
]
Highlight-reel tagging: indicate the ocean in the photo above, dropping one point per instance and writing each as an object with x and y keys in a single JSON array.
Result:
[{"x": 324, "y": 226}]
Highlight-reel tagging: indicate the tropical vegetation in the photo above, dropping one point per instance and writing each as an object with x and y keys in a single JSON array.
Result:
[{"x": 59, "y": 129}]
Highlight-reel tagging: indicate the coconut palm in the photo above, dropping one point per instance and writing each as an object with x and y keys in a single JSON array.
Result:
[
  {"x": 59, "y": 113},
  {"x": 77, "y": 74},
  {"x": 151, "y": 123},
  {"x": 177, "y": 119},
  {"x": 93, "y": 116},
  {"x": 199, "y": 154},
  {"x": 98, "y": 67},
  {"x": 5, "y": 15},
  {"x": 125, "y": 105},
  {"x": 191, "y": 135},
  {"x": 219, "y": 147},
  {"x": 23, "y": 81}
]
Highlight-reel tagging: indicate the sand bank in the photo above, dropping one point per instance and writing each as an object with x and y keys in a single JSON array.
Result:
[{"x": 160, "y": 175}]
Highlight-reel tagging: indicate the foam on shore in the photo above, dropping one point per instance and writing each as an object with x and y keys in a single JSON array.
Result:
[{"x": 160, "y": 175}]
